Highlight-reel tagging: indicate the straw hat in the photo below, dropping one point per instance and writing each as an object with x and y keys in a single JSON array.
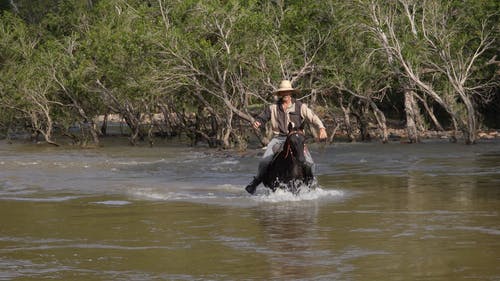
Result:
[{"x": 285, "y": 87}]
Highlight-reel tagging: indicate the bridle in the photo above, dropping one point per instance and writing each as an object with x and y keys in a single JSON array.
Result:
[{"x": 288, "y": 147}]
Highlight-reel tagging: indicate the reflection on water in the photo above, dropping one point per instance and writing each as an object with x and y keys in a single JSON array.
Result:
[
  {"x": 381, "y": 212},
  {"x": 290, "y": 234}
]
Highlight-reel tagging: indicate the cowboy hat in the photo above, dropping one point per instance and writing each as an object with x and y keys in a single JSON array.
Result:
[{"x": 285, "y": 87}]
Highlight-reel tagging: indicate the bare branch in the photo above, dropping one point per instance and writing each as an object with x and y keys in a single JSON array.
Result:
[{"x": 164, "y": 15}]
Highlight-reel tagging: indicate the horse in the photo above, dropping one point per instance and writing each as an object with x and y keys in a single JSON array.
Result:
[{"x": 288, "y": 169}]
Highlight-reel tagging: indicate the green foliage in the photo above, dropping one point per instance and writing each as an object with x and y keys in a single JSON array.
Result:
[{"x": 80, "y": 59}]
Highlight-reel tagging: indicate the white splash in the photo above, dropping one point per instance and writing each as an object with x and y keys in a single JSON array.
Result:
[
  {"x": 281, "y": 195},
  {"x": 229, "y": 162},
  {"x": 113, "y": 202},
  {"x": 229, "y": 194},
  {"x": 171, "y": 196},
  {"x": 36, "y": 199}
]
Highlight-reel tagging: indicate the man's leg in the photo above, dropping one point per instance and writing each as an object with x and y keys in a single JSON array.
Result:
[{"x": 263, "y": 164}]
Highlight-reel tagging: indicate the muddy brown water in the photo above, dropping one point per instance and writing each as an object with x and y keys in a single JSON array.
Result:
[{"x": 382, "y": 212}]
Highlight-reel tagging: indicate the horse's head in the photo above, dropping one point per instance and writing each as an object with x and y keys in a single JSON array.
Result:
[{"x": 295, "y": 143}]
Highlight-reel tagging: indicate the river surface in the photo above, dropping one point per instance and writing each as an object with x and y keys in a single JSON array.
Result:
[{"x": 382, "y": 212}]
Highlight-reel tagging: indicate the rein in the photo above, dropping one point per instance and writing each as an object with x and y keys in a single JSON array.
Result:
[
  {"x": 288, "y": 147},
  {"x": 288, "y": 150}
]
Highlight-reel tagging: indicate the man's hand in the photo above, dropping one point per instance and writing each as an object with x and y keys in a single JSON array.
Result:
[
  {"x": 322, "y": 134},
  {"x": 256, "y": 124}
]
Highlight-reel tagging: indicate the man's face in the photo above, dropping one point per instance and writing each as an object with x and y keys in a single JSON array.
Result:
[{"x": 285, "y": 97}]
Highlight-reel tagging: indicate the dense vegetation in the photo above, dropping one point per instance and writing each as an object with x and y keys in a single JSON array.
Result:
[{"x": 203, "y": 68}]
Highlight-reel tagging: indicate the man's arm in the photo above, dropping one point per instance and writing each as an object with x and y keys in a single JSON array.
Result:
[
  {"x": 312, "y": 118},
  {"x": 262, "y": 118}
]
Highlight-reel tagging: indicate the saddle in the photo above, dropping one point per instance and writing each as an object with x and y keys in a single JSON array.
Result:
[{"x": 277, "y": 148}]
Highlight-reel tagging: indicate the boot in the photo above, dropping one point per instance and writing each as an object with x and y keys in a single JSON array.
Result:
[{"x": 251, "y": 187}]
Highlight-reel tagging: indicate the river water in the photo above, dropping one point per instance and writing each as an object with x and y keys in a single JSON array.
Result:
[{"x": 382, "y": 212}]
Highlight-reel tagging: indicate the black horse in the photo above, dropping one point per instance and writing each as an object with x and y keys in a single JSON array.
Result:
[{"x": 288, "y": 169}]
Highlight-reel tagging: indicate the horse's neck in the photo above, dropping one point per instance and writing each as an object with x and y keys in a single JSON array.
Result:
[{"x": 286, "y": 151}]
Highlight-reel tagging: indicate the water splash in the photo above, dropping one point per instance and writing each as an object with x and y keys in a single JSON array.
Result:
[
  {"x": 173, "y": 195},
  {"x": 304, "y": 194},
  {"x": 113, "y": 202},
  {"x": 41, "y": 199},
  {"x": 234, "y": 195}
]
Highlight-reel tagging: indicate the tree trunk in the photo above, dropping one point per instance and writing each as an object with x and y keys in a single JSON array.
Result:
[
  {"x": 332, "y": 135},
  {"x": 363, "y": 128},
  {"x": 104, "y": 126},
  {"x": 360, "y": 115},
  {"x": 228, "y": 130},
  {"x": 455, "y": 130},
  {"x": 411, "y": 123},
  {"x": 14, "y": 7},
  {"x": 433, "y": 117},
  {"x": 168, "y": 129},
  {"x": 45, "y": 126},
  {"x": 347, "y": 120},
  {"x": 133, "y": 122},
  {"x": 381, "y": 121},
  {"x": 94, "y": 133},
  {"x": 47, "y": 134},
  {"x": 150, "y": 129},
  {"x": 9, "y": 128},
  {"x": 470, "y": 127}
]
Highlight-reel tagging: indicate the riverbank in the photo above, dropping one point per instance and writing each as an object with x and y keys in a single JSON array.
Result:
[
  {"x": 118, "y": 136},
  {"x": 116, "y": 128},
  {"x": 401, "y": 134}
]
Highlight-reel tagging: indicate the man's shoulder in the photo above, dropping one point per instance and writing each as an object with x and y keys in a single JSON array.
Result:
[{"x": 299, "y": 103}]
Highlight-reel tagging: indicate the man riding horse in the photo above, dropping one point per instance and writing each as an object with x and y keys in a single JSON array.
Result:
[{"x": 285, "y": 111}]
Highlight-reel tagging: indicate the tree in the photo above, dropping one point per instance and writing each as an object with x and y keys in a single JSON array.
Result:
[
  {"x": 209, "y": 66},
  {"x": 26, "y": 91},
  {"x": 444, "y": 66},
  {"x": 120, "y": 50},
  {"x": 212, "y": 59},
  {"x": 352, "y": 75}
]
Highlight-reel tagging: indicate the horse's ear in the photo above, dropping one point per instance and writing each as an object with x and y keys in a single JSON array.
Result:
[
  {"x": 290, "y": 126},
  {"x": 301, "y": 128}
]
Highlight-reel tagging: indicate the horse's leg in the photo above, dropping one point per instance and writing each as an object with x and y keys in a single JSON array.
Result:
[
  {"x": 309, "y": 165},
  {"x": 294, "y": 187},
  {"x": 307, "y": 172},
  {"x": 262, "y": 172}
]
